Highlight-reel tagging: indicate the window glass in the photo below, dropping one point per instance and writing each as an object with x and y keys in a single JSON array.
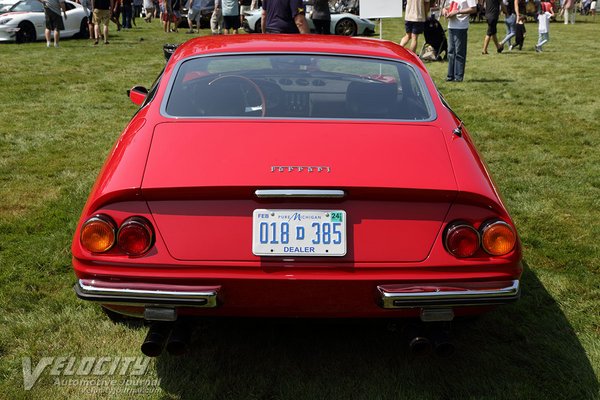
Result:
[
  {"x": 28, "y": 6},
  {"x": 298, "y": 86}
]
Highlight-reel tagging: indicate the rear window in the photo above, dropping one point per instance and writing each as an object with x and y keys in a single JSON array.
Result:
[{"x": 297, "y": 86}]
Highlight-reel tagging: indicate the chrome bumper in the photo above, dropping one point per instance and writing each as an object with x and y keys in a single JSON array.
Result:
[
  {"x": 457, "y": 295},
  {"x": 145, "y": 294}
]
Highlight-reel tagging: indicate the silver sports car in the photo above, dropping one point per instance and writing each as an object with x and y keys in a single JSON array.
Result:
[{"x": 341, "y": 24}]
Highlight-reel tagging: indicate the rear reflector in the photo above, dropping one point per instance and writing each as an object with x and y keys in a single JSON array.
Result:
[
  {"x": 135, "y": 236},
  {"x": 462, "y": 240},
  {"x": 498, "y": 238},
  {"x": 98, "y": 234}
]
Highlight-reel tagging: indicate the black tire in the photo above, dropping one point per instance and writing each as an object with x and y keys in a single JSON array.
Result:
[
  {"x": 83, "y": 30},
  {"x": 26, "y": 33},
  {"x": 346, "y": 27},
  {"x": 258, "y": 27}
]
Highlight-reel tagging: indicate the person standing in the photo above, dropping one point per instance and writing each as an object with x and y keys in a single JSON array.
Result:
[
  {"x": 543, "y": 28},
  {"x": 244, "y": 8},
  {"x": 194, "y": 15},
  {"x": 54, "y": 22},
  {"x": 457, "y": 14},
  {"x": 520, "y": 32},
  {"x": 87, "y": 6},
  {"x": 492, "y": 13},
  {"x": 510, "y": 21},
  {"x": 127, "y": 13},
  {"x": 321, "y": 17},
  {"x": 283, "y": 16},
  {"x": 116, "y": 13},
  {"x": 414, "y": 22},
  {"x": 102, "y": 10},
  {"x": 150, "y": 9},
  {"x": 216, "y": 19},
  {"x": 137, "y": 10},
  {"x": 231, "y": 16},
  {"x": 569, "y": 11}
]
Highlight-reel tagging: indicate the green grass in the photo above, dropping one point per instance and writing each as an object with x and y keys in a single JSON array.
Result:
[{"x": 536, "y": 121}]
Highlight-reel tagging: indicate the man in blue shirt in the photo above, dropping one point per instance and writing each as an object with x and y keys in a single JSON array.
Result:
[{"x": 283, "y": 16}]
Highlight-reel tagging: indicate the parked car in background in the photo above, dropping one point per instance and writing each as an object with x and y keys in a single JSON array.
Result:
[
  {"x": 5, "y": 5},
  {"x": 293, "y": 176},
  {"x": 344, "y": 24},
  {"x": 25, "y": 21}
]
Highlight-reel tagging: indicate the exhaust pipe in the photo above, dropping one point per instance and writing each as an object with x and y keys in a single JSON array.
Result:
[
  {"x": 155, "y": 339},
  {"x": 418, "y": 344},
  {"x": 179, "y": 339},
  {"x": 442, "y": 345}
]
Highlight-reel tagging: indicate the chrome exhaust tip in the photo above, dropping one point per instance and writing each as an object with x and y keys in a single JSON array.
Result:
[
  {"x": 442, "y": 344},
  {"x": 179, "y": 340},
  {"x": 155, "y": 339},
  {"x": 419, "y": 346}
]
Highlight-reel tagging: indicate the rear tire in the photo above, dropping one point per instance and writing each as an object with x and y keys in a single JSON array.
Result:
[
  {"x": 83, "y": 30},
  {"x": 346, "y": 27},
  {"x": 26, "y": 33}
]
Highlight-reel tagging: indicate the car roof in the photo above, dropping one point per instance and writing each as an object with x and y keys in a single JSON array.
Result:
[{"x": 281, "y": 43}]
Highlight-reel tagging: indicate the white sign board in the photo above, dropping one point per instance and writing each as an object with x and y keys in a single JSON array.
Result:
[{"x": 380, "y": 8}]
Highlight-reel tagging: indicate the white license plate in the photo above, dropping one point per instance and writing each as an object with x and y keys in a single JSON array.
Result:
[{"x": 299, "y": 232}]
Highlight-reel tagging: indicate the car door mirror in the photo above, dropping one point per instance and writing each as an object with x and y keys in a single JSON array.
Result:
[{"x": 137, "y": 94}]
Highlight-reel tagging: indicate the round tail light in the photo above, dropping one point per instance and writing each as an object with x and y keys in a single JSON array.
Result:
[
  {"x": 498, "y": 238},
  {"x": 462, "y": 240},
  {"x": 135, "y": 236},
  {"x": 98, "y": 234}
]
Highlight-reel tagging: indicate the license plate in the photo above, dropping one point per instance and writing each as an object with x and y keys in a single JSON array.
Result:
[{"x": 299, "y": 232}]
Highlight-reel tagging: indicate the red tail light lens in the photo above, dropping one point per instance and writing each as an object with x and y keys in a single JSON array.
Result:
[
  {"x": 98, "y": 234},
  {"x": 135, "y": 236},
  {"x": 498, "y": 238},
  {"x": 462, "y": 240}
]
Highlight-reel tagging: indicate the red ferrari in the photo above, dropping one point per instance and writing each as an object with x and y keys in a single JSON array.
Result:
[{"x": 294, "y": 176}]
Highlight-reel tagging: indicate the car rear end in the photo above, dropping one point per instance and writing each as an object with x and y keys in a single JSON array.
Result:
[{"x": 284, "y": 217}]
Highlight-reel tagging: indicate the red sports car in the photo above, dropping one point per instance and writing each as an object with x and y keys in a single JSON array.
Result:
[{"x": 294, "y": 175}]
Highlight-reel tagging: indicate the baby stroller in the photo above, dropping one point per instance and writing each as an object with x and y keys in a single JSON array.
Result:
[{"x": 435, "y": 41}]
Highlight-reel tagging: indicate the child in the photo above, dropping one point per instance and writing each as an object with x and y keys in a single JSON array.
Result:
[
  {"x": 543, "y": 22},
  {"x": 520, "y": 32}
]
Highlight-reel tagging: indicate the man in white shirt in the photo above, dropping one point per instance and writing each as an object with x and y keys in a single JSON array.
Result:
[{"x": 458, "y": 13}]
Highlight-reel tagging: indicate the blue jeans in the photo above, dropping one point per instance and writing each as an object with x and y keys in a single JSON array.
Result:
[
  {"x": 511, "y": 22},
  {"x": 457, "y": 53},
  {"x": 543, "y": 38}
]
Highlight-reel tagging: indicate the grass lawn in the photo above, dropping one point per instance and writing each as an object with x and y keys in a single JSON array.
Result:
[{"x": 536, "y": 120}]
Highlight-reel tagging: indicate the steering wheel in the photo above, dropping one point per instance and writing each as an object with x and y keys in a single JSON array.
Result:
[{"x": 253, "y": 85}]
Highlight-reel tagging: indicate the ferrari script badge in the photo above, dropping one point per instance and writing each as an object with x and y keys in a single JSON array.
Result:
[{"x": 300, "y": 168}]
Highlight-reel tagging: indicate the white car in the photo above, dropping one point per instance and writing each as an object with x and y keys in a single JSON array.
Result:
[
  {"x": 25, "y": 21},
  {"x": 341, "y": 24}
]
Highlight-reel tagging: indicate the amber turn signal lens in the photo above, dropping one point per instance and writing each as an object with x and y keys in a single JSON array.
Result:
[
  {"x": 498, "y": 238},
  {"x": 135, "y": 236},
  {"x": 462, "y": 240},
  {"x": 98, "y": 234}
]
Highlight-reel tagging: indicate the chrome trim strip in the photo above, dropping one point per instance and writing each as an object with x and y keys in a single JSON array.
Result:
[
  {"x": 466, "y": 297},
  {"x": 299, "y": 193},
  {"x": 145, "y": 296}
]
